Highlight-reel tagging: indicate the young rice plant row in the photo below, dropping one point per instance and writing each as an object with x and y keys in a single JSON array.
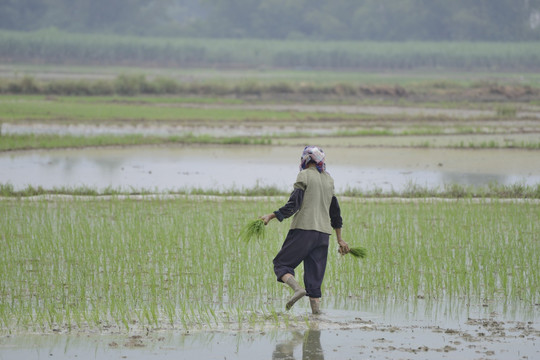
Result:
[{"x": 180, "y": 263}]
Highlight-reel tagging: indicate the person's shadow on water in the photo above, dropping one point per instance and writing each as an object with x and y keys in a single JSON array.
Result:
[{"x": 311, "y": 346}]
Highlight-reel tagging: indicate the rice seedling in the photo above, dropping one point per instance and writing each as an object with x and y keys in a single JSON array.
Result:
[
  {"x": 358, "y": 252},
  {"x": 253, "y": 229},
  {"x": 177, "y": 263}
]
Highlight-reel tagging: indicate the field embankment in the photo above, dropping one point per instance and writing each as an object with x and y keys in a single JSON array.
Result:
[
  {"x": 36, "y": 121},
  {"x": 253, "y": 86}
]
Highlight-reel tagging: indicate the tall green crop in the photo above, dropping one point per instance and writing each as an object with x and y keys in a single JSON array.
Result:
[{"x": 60, "y": 48}]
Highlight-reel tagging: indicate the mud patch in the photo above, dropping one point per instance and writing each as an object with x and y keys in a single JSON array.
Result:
[
  {"x": 134, "y": 341},
  {"x": 324, "y": 337}
]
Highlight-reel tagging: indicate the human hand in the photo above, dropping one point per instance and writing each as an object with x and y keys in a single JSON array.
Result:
[
  {"x": 266, "y": 218},
  {"x": 343, "y": 247}
]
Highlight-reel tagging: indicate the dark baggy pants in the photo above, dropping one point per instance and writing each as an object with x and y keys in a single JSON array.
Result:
[{"x": 309, "y": 246}]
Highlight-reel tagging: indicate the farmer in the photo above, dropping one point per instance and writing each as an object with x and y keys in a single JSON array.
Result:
[{"x": 316, "y": 212}]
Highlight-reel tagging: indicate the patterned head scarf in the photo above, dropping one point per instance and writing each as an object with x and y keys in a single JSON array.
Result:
[{"x": 313, "y": 154}]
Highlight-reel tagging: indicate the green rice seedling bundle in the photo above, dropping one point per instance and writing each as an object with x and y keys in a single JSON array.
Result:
[
  {"x": 358, "y": 252},
  {"x": 253, "y": 229}
]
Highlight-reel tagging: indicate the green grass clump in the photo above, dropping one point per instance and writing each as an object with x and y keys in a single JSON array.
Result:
[
  {"x": 506, "y": 111},
  {"x": 358, "y": 252},
  {"x": 253, "y": 229}
]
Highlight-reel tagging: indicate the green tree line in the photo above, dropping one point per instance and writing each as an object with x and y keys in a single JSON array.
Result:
[{"x": 379, "y": 20}]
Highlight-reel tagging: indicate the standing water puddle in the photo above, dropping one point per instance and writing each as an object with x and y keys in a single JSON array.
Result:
[
  {"x": 333, "y": 335},
  {"x": 238, "y": 167}
]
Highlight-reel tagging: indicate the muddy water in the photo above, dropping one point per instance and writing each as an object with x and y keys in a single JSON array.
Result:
[
  {"x": 232, "y": 167},
  {"x": 329, "y": 336}
]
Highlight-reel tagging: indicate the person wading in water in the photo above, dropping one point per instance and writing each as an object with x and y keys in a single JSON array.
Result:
[{"x": 316, "y": 215}]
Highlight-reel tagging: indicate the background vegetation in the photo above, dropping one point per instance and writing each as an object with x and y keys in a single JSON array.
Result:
[
  {"x": 55, "y": 47},
  {"x": 380, "y": 20}
]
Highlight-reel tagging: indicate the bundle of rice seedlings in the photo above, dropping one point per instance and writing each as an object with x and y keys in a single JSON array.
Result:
[
  {"x": 254, "y": 228},
  {"x": 358, "y": 252}
]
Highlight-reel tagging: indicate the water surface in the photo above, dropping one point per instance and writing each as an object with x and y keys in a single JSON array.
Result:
[
  {"x": 226, "y": 167},
  {"x": 334, "y": 335}
]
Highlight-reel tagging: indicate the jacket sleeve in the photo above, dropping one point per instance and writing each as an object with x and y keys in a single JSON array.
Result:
[
  {"x": 335, "y": 214},
  {"x": 292, "y": 206}
]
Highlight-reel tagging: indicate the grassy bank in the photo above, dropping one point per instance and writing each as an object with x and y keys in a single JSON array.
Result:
[
  {"x": 433, "y": 80},
  {"x": 412, "y": 191},
  {"x": 52, "y": 141},
  {"x": 13, "y": 142},
  {"x": 125, "y": 264},
  {"x": 277, "y": 84},
  {"x": 130, "y": 85}
]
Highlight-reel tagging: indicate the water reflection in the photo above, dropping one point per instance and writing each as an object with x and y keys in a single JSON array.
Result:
[
  {"x": 311, "y": 346},
  {"x": 384, "y": 338},
  {"x": 480, "y": 179}
]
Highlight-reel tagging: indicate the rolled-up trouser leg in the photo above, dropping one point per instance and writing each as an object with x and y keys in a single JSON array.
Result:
[
  {"x": 315, "y": 266},
  {"x": 292, "y": 253},
  {"x": 304, "y": 245}
]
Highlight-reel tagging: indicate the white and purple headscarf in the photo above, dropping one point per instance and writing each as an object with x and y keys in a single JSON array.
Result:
[{"x": 313, "y": 154}]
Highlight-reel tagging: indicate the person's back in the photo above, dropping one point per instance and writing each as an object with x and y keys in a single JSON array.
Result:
[{"x": 318, "y": 190}]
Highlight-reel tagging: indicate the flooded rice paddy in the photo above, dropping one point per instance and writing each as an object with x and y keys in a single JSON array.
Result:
[
  {"x": 420, "y": 330},
  {"x": 231, "y": 167},
  {"x": 396, "y": 329},
  {"x": 333, "y": 335},
  {"x": 392, "y": 330}
]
